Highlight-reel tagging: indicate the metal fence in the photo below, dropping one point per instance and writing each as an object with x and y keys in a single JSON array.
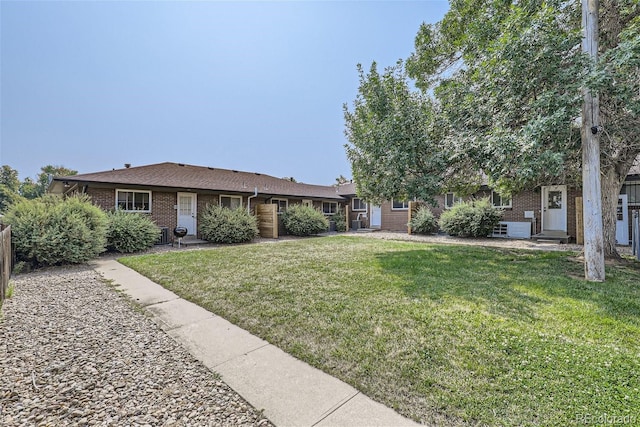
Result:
[{"x": 635, "y": 233}]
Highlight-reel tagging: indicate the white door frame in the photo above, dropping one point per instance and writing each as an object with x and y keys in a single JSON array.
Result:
[
  {"x": 376, "y": 216},
  {"x": 557, "y": 222},
  {"x": 622, "y": 220},
  {"x": 182, "y": 220}
]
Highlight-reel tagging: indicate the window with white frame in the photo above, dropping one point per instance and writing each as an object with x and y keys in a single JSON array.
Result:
[
  {"x": 632, "y": 190},
  {"x": 329, "y": 208},
  {"x": 282, "y": 204},
  {"x": 499, "y": 201},
  {"x": 133, "y": 200},
  {"x": 358, "y": 205},
  {"x": 231, "y": 202},
  {"x": 451, "y": 199},
  {"x": 307, "y": 202},
  {"x": 398, "y": 205}
]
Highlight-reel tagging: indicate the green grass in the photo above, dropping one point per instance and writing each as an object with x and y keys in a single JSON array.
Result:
[{"x": 443, "y": 334}]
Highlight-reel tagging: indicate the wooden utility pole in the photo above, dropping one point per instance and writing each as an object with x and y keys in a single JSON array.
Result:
[{"x": 591, "y": 188}]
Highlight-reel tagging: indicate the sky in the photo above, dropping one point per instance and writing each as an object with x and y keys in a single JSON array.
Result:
[{"x": 251, "y": 86}]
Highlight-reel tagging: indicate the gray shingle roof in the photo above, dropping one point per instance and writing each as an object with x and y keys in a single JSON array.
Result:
[{"x": 181, "y": 176}]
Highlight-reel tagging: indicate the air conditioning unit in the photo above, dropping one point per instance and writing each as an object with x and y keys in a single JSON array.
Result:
[{"x": 164, "y": 238}]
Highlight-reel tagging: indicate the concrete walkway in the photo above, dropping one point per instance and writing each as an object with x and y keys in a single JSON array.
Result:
[{"x": 290, "y": 392}]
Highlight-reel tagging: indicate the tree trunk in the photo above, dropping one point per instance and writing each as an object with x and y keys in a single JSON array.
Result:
[{"x": 611, "y": 185}]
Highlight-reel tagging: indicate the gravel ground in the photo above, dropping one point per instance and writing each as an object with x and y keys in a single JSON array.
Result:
[{"x": 75, "y": 352}]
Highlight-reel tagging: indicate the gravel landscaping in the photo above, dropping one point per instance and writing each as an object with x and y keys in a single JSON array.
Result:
[{"x": 73, "y": 351}]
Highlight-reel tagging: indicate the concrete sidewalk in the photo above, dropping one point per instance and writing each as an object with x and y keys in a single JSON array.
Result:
[{"x": 290, "y": 392}]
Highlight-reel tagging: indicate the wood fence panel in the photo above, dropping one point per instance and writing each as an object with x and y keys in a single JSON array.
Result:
[
  {"x": 267, "y": 215},
  {"x": 6, "y": 260},
  {"x": 413, "y": 208},
  {"x": 579, "y": 222}
]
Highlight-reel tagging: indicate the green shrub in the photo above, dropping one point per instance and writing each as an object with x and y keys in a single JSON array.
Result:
[
  {"x": 130, "y": 232},
  {"x": 423, "y": 222},
  {"x": 52, "y": 230},
  {"x": 223, "y": 225},
  {"x": 340, "y": 220},
  {"x": 476, "y": 218},
  {"x": 303, "y": 220}
]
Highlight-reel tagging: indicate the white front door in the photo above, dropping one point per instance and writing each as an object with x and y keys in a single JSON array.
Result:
[
  {"x": 554, "y": 208},
  {"x": 376, "y": 217},
  {"x": 187, "y": 212},
  {"x": 622, "y": 221}
]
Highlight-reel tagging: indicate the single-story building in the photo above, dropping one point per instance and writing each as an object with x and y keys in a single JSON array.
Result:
[
  {"x": 544, "y": 209},
  {"x": 175, "y": 194}
]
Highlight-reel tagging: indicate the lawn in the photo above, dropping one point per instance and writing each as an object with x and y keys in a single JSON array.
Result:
[{"x": 443, "y": 334}]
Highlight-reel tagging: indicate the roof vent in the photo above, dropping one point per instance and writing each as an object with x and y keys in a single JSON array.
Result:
[
  {"x": 180, "y": 164},
  {"x": 257, "y": 173},
  {"x": 127, "y": 165},
  {"x": 234, "y": 171},
  {"x": 210, "y": 168}
]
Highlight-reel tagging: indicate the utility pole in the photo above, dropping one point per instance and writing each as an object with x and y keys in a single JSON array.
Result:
[{"x": 591, "y": 188}]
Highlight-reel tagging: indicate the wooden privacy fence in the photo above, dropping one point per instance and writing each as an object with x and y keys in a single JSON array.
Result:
[
  {"x": 579, "y": 222},
  {"x": 413, "y": 208},
  {"x": 267, "y": 215},
  {"x": 6, "y": 260}
]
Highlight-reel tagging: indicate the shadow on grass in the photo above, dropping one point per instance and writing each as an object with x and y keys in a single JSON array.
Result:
[{"x": 511, "y": 283}]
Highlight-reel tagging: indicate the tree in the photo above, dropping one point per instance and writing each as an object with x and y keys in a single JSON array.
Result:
[
  {"x": 36, "y": 189},
  {"x": 341, "y": 180},
  {"x": 9, "y": 187},
  {"x": 504, "y": 83},
  {"x": 394, "y": 141}
]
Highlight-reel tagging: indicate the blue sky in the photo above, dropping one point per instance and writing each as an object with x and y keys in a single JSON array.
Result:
[{"x": 252, "y": 86}]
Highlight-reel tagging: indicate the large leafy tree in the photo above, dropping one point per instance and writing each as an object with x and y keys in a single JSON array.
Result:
[
  {"x": 9, "y": 187},
  {"x": 506, "y": 81}
]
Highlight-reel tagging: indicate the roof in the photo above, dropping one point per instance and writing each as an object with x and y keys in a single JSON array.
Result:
[
  {"x": 348, "y": 189},
  {"x": 182, "y": 176}
]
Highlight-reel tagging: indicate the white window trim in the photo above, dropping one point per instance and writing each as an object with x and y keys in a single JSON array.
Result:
[
  {"x": 229, "y": 196},
  {"x": 307, "y": 202},
  {"x": 358, "y": 210},
  {"x": 402, "y": 208},
  {"x": 280, "y": 200},
  {"x": 502, "y": 205},
  {"x": 332, "y": 202},
  {"x": 128, "y": 190},
  {"x": 625, "y": 192},
  {"x": 456, "y": 199}
]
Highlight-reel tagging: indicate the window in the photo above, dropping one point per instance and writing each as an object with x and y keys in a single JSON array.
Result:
[
  {"x": 358, "y": 204},
  {"x": 282, "y": 204},
  {"x": 399, "y": 205},
  {"x": 307, "y": 202},
  {"x": 632, "y": 190},
  {"x": 329, "y": 208},
  {"x": 451, "y": 199},
  {"x": 500, "y": 201},
  {"x": 129, "y": 200},
  {"x": 231, "y": 202}
]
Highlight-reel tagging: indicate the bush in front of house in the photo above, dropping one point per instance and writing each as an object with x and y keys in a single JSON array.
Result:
[
  {"x": 303, "y": 220},
  {"x": 340, "y": 219},
  {"x": 52, "y": 230},
  {"x": 223, "y": 225},
  {"x": 423, "y": 222},
  {"x": 476, "y": 218},
  {"x": 130, "y": 232}
]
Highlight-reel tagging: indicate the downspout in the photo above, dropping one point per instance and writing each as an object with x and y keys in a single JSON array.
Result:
[{"x": 255, "y": 194}]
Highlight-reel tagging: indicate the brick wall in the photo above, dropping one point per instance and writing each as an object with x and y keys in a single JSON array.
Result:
[{"x": 394, "y": 219}]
